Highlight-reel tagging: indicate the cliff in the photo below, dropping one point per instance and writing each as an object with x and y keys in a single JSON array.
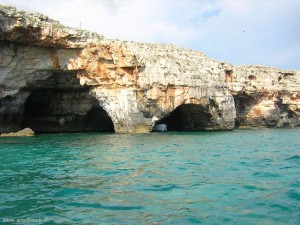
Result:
[{"x": 59, "y": 79}]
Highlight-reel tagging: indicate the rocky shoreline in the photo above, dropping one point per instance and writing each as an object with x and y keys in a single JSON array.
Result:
[{"x": 60, "y": 79}]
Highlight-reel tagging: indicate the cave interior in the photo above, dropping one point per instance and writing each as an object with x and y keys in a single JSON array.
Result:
[
  {"x": 187, "y": 117},
  {"x": 58, "y": 104}
]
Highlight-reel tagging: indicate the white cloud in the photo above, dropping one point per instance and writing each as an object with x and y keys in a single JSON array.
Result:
[{"x": 238, "y": 31}]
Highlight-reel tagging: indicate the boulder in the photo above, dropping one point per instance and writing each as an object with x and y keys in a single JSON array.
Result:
[{"x": 27, "y": 132}]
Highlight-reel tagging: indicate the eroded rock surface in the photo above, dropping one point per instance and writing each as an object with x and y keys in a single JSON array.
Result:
[
  {"x": 128, "y": 86},
  {"x": 266, "y": 97}
]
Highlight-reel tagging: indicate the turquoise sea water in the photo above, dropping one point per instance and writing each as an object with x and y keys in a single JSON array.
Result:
[{"x": 238, "y": 177}]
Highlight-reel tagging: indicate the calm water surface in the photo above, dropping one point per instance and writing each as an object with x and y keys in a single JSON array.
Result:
[{"x": 239, "y": 177}]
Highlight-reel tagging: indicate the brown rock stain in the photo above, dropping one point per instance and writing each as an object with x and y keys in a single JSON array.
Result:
[
  {"x": 72, "y": 64},
  {"x": 228, "y": 76},
  {"x": 255, "y": 113},
  {"x": 54, "y": 59},
  {"x": 170, "y": 98},
  {"x": 102, "y": 71}
]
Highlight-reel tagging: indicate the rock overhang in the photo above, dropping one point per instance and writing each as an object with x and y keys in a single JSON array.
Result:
[{"x": 136, "y": 82}]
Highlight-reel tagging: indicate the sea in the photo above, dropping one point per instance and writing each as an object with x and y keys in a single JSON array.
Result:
[{"x": 234, "y": 177}]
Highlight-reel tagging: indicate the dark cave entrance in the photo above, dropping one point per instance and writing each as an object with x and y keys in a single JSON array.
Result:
[
  {"x": 60, "y": 104},
  {"x": 187, "y": 117}
]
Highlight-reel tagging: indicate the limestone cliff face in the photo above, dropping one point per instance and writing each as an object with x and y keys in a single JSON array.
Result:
[
  {"x": 56, "y": 79},
  {"x": 265, "y": 96},
  {"x": 38, "y": 29},
  {"x": 136, "y": 83}
]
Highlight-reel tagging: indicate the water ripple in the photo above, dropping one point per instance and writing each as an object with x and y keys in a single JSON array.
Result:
[
  {"x": 239, "y": 177},
  {"x": 100, "y": 206},
  {"x": 294, "y": 158},
  {"x": 167, "y": 187}
]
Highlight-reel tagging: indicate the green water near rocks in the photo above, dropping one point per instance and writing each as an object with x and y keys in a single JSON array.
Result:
[{"x": 239, "y": 177}]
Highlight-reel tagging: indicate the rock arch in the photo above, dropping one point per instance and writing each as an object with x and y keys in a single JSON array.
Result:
[
  {"x": 123, "y": 108},
  {"x": 60, "y": 104},
  {"x": 188, "y": 117},
  {"x": 189, "y": 108}
]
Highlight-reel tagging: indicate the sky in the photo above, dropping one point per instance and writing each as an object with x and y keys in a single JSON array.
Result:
[{"x": 240, "y": 32}]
